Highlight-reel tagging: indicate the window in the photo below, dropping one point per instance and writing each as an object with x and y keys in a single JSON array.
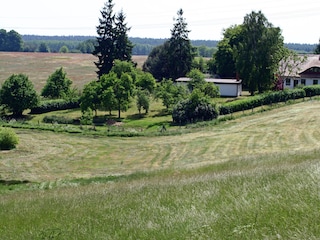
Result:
[
  {"x": 315, "y": 82},
  {"x": 303, "y": 82},
  {"x": 288, "y": 81}
]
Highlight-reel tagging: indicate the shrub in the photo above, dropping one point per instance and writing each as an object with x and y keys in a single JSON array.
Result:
[
  {"x": 312, "y": 90},
  {"x": 8, "y": 139},
  {"x": 55, "y": 105},
  {"x": 58, "y": 119},
  {"x": 194, "y": 109},
  {"x": 263, "y": 99}
]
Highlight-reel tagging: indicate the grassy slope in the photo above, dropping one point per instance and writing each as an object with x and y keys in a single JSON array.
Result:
[
  {"x": 251, "y": 178},
  {"x": 50, "y": 156}
]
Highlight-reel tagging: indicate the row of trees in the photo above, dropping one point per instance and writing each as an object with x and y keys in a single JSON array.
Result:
[{"x": 18, "y": 93}]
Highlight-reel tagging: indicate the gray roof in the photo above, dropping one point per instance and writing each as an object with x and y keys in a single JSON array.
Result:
[{"x": 213, "y": 80}]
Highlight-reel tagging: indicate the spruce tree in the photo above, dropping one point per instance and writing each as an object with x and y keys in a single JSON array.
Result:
[
  {"x": 181, "y": 51},
  {"x": 113, "y": 42}
]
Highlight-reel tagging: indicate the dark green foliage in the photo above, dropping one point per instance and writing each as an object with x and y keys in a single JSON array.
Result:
[
  {"x": 258, "y": 53},
  {"x": 8, "y": 139},
  {"x": 112, "y": 42},
  {"x": 224, "y": 57},
  {"x": 18, "y": 94},
  {"x": 312, "y": 90},
  {"x": 262, "y": 99},
  {"x": 10, "y": 41},
  {"x": 43, "y": 47},
  {"x": 181, "y": 52},
  {"x": 196, "y": 108},
  {"x": 58, "y": 85},
  {"x": 55, "y": 105},
  {"x": 174, "y": 58},
  {"x": 157, "y": 62}
]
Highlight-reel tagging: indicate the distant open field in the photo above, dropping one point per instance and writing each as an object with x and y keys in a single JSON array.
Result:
[{"x": 80, "y": 68}]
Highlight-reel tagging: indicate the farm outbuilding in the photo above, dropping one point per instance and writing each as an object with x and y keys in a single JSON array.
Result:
[{"x": 227, "y": 87}]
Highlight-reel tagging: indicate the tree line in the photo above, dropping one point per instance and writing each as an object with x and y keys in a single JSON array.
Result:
[{"x": 13, "y": 41}]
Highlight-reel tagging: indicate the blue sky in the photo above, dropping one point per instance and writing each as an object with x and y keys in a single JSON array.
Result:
[{"x": 299, "y": 20}]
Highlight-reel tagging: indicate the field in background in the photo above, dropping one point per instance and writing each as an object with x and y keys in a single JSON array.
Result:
[{"x": 80, "y": 68}]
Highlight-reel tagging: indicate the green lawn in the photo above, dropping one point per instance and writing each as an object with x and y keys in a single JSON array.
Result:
[{"x": 255, "y": 177}]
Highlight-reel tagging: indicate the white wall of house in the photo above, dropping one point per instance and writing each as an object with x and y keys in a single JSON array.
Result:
[{"x": 293, "y": 82}]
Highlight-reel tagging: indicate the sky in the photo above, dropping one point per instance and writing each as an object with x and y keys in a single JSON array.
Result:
[{"x": 298, "y": 20}]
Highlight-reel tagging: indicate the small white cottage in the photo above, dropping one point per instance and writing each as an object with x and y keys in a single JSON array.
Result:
[{"x": 228, "y": 87}]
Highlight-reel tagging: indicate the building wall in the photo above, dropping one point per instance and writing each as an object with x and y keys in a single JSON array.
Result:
[
  {"x": 229, "y": 90},
  {"x": 293, "y": 82}
]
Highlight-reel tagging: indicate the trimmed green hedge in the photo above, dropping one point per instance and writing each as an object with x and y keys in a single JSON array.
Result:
[
  {"x": 55, "y": 105},
  {"x": 260, "y": 100},
  {"x": 312, "y": 90}
]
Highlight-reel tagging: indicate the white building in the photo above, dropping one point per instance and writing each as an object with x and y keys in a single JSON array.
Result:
[
  {"x": 308, "y": 73},
  {"x": 228, "y": 87}
]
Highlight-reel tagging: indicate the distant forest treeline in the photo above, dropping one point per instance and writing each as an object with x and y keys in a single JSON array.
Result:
[
  {"x": 85, "y": 44},
  {"x": 142, "y": 46}
]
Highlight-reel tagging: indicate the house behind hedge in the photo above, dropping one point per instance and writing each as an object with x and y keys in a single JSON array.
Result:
[{"x": 306, "y": 74}]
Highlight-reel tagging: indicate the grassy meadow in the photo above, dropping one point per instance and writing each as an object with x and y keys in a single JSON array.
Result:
[{"x": 253, "y": 177}]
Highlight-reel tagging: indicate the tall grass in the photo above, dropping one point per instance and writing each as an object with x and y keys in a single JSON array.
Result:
[{"x": 257, "y": 201}]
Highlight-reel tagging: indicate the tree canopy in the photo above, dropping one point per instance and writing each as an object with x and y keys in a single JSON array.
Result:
[
  {"x": 174, "y": 58},
  {"x": 112, "y": 41},
  {"x": 10, "y": 41},
  {"x": 58, "y": 85},
  {"x": 18, "y": 94},
  {"x": 251, "y": 51}
]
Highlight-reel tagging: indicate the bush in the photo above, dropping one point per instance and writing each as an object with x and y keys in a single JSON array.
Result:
[
  {"x": 55, "y": 105},
  {"x": 194, "y": 109},
  {"x": 58, "y": 119},
  {"x": 312, "y": 90},
  {"x": 8, "y": 139}
]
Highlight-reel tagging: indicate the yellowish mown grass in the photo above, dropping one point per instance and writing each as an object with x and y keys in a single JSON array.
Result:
[
  {"x": 47, "y": 156},
  {"x": 38, "y": 67}
]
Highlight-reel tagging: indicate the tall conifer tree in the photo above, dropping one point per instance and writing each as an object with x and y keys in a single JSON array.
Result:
[{"x": 113, "y": 42}]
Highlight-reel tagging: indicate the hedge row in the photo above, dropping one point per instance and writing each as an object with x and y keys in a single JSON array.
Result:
[
  {"x": 55, "y": 105},
  {"x": 312, "y": 90},
  {"x": 263, "y": 99}
]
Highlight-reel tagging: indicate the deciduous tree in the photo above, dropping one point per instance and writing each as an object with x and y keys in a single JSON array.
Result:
[
  {"x": 58, "y": 85},
  {"x": 259, "y": 52},
  {"x": 18, "y": 94}
]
